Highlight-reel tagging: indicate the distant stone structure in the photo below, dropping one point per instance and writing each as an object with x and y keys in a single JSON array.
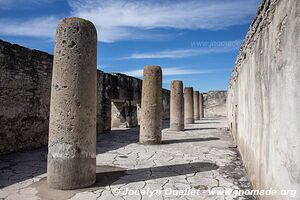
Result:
[
  {"x": 196, "y": 105},
  {"x": 152, "y": 106},
  {"x": 25, "y": 81},
  {"x": 214, "y": 103},
  {"x": 188, "y": 105},
  {"x": 201, "y": 106},
  {"x": 177, "y": 106}
]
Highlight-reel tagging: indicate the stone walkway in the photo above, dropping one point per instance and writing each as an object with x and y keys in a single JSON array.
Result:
[{"x": 188, "y": 165}]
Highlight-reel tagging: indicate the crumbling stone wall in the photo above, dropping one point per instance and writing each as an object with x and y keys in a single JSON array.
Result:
[
  {"x": 25, "y": 81},
  {"x": 215, "y": 103},
  {"x": 263, "y": 98}
]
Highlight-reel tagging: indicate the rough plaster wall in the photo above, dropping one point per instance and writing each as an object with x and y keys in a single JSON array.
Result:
[
  {"x": 263, "y": 98},
  {"x": 215, "y": 104},
  {"x": 25, "y": 81},
  {"x": 24, "y": 97}
]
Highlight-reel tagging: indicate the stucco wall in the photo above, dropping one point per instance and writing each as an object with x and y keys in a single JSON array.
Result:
[{"x": 263, "y": 98}]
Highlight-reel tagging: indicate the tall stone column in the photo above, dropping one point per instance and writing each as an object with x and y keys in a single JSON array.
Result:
[
  {"x": 201, "y": 108},
  {"x": 196, "y": 105},
  {"x": 188, "y": 105},
  {"x": 72, "y": 124},
  {"x": 177, "y": 106},
  {"x": 151, "y": 116}
]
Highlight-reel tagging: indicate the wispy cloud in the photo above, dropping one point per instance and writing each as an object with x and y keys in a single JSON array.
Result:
[
  {"x": 136, "y": 19},
  {"x": 172, "y": 71},
  {"x": 7, "y": 4},
  {"x": 182, "y": 53},
  {"x": 38, "y": 27},
  {"x": 129, "y": 20}
]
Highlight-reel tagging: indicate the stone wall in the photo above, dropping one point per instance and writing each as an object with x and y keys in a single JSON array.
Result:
[
  {"x": 264, "y": 96},
  {"x": 25, "y": 81},
  {"x": 215, "y": 104}
]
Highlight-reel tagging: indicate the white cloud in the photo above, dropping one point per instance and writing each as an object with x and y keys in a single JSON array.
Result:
[
  {"x": 118, "y": 20},
  {"x": 38, "y": 27},
  {"x": 130, "y": 20},
  {"x": 7, "y": 4},
  {"x": 182, "y": 53},
  {"x": 170, "y": 71}
]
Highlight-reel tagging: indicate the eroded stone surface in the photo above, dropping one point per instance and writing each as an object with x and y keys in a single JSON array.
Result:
[
  {"x": 177, "y": 106},
  {"x": 188, "y": 105},
  {"x": 72, "y": 123},
  {"x": 152, "y": 106},
  {"x": 196, "y": 105},
  {"x": 201, "y": 157}
]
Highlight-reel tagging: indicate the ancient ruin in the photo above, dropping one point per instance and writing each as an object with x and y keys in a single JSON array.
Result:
[
  {"x": 72, "y": 123},
  {"x": 196, "y": 105},
  {"x": 262, "y": 100},
  {"x": 201, "y": 106},
  {"x": 188, "y": 105},
  {"x": 152, "y": 104},
  {"x": 177, "y": 106},
  {"x": 71, "y": 131}
]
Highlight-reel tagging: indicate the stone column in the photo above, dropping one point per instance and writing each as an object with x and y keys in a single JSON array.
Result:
[
  {"x": 188, "y": 105},
  {"x": 72, "y": 124},
  {"x": 151, "y": 116},
  {"x": 177, "y": 106},
  {"x": 201, "y": 108},
  {"x": 196, "y": 105}
]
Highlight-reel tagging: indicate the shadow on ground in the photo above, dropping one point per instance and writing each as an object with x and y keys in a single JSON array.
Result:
[
  {"x": 123, "y": 176},
  {"x": 118, "y": 138},
  {"x": 111, "y": 175},
  {"x": 199, "y": 129},
  {"x": 189, "y": 140},
  {"x": 207, "y": 122}
]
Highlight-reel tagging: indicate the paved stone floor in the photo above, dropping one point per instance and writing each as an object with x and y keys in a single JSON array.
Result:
[{"x": 187, "y": 165}]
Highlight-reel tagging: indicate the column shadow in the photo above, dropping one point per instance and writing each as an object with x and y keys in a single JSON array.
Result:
[
  {"x": 118, "y": 138},
  {"x": 207, "y": 122},
  {"x": 199, "y": 129},
  {"x": 189, "y": 140},
  {"x": 123, "y": 176},
  {"x": 20, "y": 166}
]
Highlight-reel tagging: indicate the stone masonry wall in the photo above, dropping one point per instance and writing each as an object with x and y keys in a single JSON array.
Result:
[
  {"x": 25, "y": 81},
  {"x": 264, "y": 96},
  {"x": 215, "y": 104}
]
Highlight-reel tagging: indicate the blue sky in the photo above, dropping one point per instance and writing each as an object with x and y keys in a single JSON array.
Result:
[{"x": 195, "y": 41}]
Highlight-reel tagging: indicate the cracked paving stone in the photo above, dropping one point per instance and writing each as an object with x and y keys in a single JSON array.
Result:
[{"x": 201, "y": 157}]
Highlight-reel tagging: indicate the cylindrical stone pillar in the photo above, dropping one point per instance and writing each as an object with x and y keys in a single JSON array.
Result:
[
  {"x": 196, "y": 105},
  {"x": 188, "y": 105},
  {"x": 72, "y": 124},
  {"x": 201, "y": 108},
  {"x": 177, "y": 106},
  {"x": 152, "y": 106}
]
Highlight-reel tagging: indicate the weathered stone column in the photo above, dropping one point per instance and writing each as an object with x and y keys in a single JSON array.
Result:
[
  {"x": 72, "y": 128},
  {"x": 151, "y": 116},
  {"x": 177, "y": 106},
  {"x": 201, "y": 108},
  {"x": 196, "y": 105},
  {"x": 188, "y": 105}
]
